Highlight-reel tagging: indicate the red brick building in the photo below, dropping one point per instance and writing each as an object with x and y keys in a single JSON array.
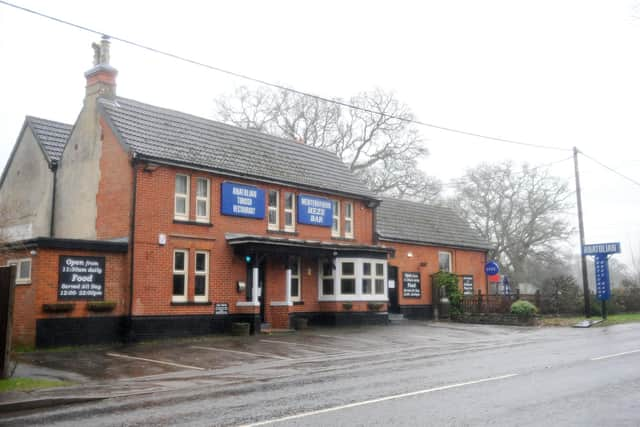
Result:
[{"x": 159, "y": 223}]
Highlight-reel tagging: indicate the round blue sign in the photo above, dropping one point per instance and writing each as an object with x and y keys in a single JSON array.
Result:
[{"x": 491, "y": 268}]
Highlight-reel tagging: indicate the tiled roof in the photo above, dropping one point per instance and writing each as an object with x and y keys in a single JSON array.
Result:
[
  {"x": 169, "y": 135},
  {"x": 401, "y": 220},
  {"x": 52, "y": 136}
]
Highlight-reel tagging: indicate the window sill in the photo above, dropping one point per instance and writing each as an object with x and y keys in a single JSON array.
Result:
[
  {"x": 185, "y": 222},
  {"x": 354, "y": 298},
  {"x": 346, "y": 239},
  {"x": 23, "y": 283},
  {"x": 190, "y": 303},
  {"x": 247, "y": 304}
]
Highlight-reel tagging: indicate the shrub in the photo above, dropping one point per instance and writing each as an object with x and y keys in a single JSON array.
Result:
[
  {"x": 523, "y": 308},
  {"x": 375, "y": 306},
  {"x": 450, "y": 283},
  {"x": 101, "y": 306}
]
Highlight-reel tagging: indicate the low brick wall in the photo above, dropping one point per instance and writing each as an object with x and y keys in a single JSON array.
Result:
[{"x": 498, "y": 319}]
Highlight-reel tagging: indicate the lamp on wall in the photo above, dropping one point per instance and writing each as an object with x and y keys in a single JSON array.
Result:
[{"x": 410, "y": 254}]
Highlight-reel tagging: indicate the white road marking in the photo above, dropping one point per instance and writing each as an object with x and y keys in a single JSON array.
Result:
[
  {"x": 246, "y": 353},
  {"x": 352, "y": 339},
  {"x": 616, "y": 355},
  {"x": 162, "y": 362},
  {"x": 381, "y": 399},
  {"x": 298, "y": 344}
]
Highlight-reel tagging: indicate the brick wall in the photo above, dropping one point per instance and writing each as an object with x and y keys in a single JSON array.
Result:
[
  {"x": 153, "y": 262},
  {"x": 425, "y": 261},
  {"x": 43, "y": 289},
  {"x": 113, "y": 200}
]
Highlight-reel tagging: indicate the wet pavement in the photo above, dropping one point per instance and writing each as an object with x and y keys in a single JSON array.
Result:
[
  {"x": 417, "y": 373},
  {"x": 116, "y": 362}
]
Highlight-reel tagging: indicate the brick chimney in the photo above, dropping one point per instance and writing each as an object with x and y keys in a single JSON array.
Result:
[{"x": 101, "y": 79}]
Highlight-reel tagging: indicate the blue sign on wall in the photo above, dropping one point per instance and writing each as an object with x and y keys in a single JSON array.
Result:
[
  {"x": 603, "y": 289},
  {"x": 491, "y": 268},
  {"x": 242, "y": 200},
  {"x": 315, "y": 211}
]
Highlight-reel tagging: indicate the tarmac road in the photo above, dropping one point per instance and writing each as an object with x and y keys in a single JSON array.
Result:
[{"x": 414, "y": 374}]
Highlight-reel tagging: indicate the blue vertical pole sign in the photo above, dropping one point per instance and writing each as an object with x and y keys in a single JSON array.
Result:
[
  {"x": 603, "y": 287},
  {"x": 601, "y": 252}
]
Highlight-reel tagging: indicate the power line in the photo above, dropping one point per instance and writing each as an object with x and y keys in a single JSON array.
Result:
[
  {"x": 455, "y": 183},
  {"x": 279, "y": 86},
  {"x": 610, "y": 168}
]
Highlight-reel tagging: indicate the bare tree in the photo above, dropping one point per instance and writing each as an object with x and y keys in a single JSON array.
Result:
[
  {"x": 377, "y": 142},
  {"x": 522, "y": 212}
]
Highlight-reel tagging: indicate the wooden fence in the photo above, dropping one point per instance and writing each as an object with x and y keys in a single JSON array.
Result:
[{"x": 479, "y": 303}]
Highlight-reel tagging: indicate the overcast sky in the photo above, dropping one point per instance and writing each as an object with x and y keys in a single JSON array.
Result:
[{"x": 558, "y": 73}]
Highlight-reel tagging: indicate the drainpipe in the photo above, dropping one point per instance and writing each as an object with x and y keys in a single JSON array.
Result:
[
  {"x": 132, "y": 232},
  {"x": 54, "y": 168}
]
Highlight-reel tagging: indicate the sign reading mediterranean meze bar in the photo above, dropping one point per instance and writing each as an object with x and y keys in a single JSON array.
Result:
[
  {"x": 315, "y": 211},
  {"x": 411, "y": 285},
  {"x": 81, "y": 278},
  {"x": 242, "y": 200}
]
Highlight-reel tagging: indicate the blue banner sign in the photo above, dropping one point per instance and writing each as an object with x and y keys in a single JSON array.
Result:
[
  {"x": 315, "y": 211},
  {"x": 601, "y": 248},
  {"x": 491, "y": 268},
  {"x": 242, "y": 200},
  {"x": 603, "y": 289}
]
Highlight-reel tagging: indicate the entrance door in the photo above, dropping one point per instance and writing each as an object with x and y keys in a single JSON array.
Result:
[
  {"x": 392, "y": 280},
  {"x": 261, "y": 287}
]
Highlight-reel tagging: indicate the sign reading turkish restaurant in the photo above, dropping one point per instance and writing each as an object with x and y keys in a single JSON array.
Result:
[
  {"x": 315, "y": 211},
  {"x": 81, "y": 278},
  {"x": 242, "y": 200},
  {"x": 411, "y": 285}
]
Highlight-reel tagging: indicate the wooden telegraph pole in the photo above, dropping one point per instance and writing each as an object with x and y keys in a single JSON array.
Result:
[{"x": 585, "y": 277}]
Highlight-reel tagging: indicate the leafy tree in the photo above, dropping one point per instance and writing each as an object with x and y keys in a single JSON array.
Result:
[
  {"x": 377, "y": 141},
  {"x": 520, "y": 210}
]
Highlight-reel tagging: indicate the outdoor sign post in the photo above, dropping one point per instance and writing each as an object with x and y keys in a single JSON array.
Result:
[
  {"x": 492, "y": 270},
  {"x": 601, "y": 252}
]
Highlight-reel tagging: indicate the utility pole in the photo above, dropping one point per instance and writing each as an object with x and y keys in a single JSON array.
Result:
[{"x": 585, "y": 277}]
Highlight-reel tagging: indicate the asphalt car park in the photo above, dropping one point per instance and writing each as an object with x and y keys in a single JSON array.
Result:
[{"x": 226, "y": 353}]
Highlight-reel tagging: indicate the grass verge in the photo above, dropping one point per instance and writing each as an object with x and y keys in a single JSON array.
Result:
[
  {"x": 27, "y": 384},
  {"x": 612, "y": 319}
]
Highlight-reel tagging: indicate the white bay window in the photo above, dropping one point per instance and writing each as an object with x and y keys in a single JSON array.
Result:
[{"x": 353, "y": 279}]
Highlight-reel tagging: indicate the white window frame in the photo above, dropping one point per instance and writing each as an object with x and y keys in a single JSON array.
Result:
[
  {"x": 205, "y": 273},
  {"x": 182, "y": 216},
  {"x": 359, "y": 295},
  {"x": 450, "y": 256},
  {"x": 296, "y": 275},
  {"x": 276, "y": 208},
  {"x": 18, "y": 263},
  {"x": 370, "y": 276},
  {"x": 353, "y": 276},
  {"x": 348, "y": 219},
  {"x": 206, "y": 199},
  {"x": 185, "y": 273},
  {"x": 292, "y": 210},
  {"x": 322, "y": 277},
  {"x": 335, "y": 220},
  {"x": 377, "y": 276}
]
